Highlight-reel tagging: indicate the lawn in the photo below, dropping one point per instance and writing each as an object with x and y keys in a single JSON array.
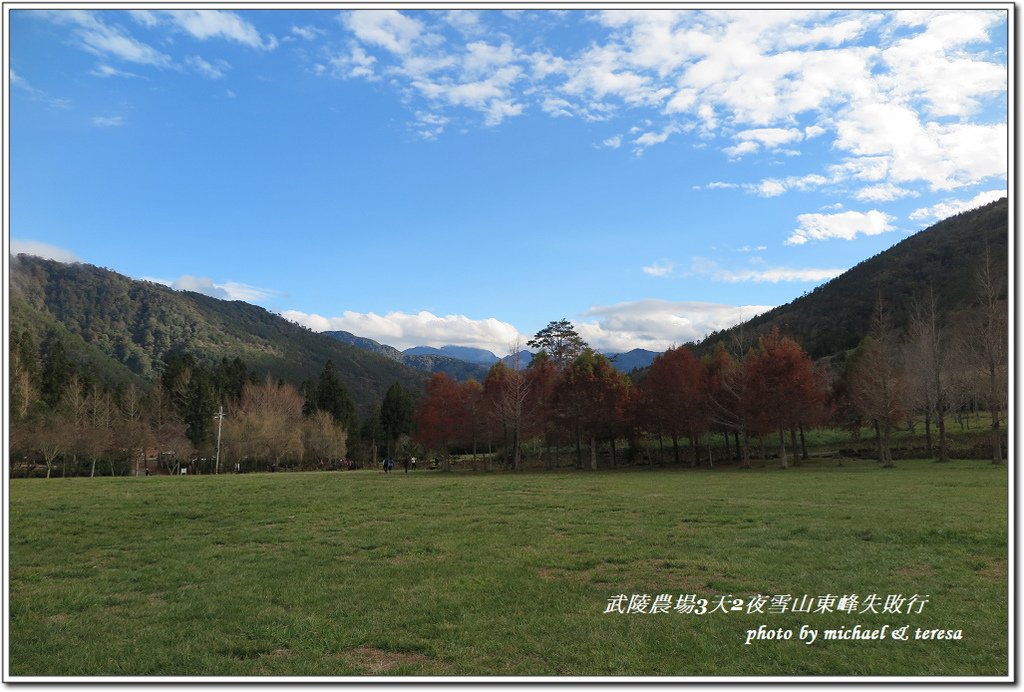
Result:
[{"x": 495, "y": 574}]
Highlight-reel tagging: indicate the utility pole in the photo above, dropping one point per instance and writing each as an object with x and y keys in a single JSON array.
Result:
[{"x": 220, "y": 422}]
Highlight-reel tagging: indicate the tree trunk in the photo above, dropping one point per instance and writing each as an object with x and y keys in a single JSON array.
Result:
[
  {"x": 792, "y": 445},
  {"x": 940, "y": 423},
  {"x": 614, "y": 464},
  {"x": 593, "y": 453},
  {"x": 887, "y": 448},
  {"x": 782, "y": 448},
  {"x": 997, "y": 448},
  {"x": 878, "y": 442},
  {"x": 728, "y": 455},
  {"x": 675, "y": 448},
  {"x": 744, "y": 450},
  {"x": 661, "y": 451},
  {"x": 803, "y": 443},
  {"x": 928, "y": 431},
  {"x": 695, "y": 461}
]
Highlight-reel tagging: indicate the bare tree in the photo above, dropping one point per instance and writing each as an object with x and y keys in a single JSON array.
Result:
[
  {"x": 267, "y": 424},
  {"x": 877, "y": 385},
  {"x": 928, "y": 356},
  {"x": 989, "y": 347},
  {"x": 50, "y": 437},
  {"x": 324, "y": 439}
]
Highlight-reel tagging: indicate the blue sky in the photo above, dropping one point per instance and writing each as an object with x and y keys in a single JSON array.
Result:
[{"x": 464, "y": 177}]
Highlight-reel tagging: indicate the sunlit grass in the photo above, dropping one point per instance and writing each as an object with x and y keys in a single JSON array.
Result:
[{"x": 361, "y": 573}]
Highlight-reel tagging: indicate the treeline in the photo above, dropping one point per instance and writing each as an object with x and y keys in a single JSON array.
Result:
[
  {"x": 570, "y": 395},
  {"x": 741, "y": 395},
  {"x": 67, "y": 422}
]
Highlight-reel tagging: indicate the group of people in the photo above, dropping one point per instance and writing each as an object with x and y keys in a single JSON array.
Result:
[{"x": 389, "y": 464}]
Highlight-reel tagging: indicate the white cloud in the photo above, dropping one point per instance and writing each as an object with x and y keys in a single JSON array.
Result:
[
  {"x": 771, "y": 137},
  {"x": 845, "y": 225},
  {"x": 389, "y": 29},
  {"x": 206, "y": 24},
  {"x": 649, "y": 139},
  {"x": 613, "y": 142},
  {"x": 950, "y": 207},
  {"x": 658, "y": 325},
  {"x": 776, "y": 274},
  {"x": 945, "y": 156},
  {"x": 748, "y": 248},
  {"x": 206, "y": 69},
  {"x": 100, "y": 38},
  {"x": 144, "y": 17},
  {"x": 354, "y": 64},
  {"x": 903, "y": 110},
  {"x": 228, "y": 290},
  {"x": 771, "y": 188},
  {"x": 738, "y": 150},
  {"x": 429, "y": 125},
  {"x": 20, "y": 83},
  {"x": 106, "y": 71},
  {"x": 108, "y": 121},
  {"x": 662, "y": 268},
  {"x": 933, "y": 66},
  {"x": 405, "y": 330},
  {"x": 886, "y": 192},
  {"x": 44, "y": 250},
  {"x": 308, "y": 33},
  {"x": 701, "y": 266},
  {"x": 466, "y": 21}
]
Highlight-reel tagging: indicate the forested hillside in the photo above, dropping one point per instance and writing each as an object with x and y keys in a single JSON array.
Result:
[
  {"x": 124, "y": 330},
  {"x": 944, "y": 258}
]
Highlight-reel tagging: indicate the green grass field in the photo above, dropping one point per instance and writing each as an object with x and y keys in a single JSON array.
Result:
[{"x": 361, "y": 573}]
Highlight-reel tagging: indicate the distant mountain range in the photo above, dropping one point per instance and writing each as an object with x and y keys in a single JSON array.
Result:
[{"x": 466, "y": 362}]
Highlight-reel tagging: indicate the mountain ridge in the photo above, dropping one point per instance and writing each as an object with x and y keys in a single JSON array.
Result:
[
  {"x": 126, "y": 328},
  {"x": 836, "y": 315}
]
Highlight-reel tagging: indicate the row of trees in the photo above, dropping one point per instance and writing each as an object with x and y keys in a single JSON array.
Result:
[
  {"x": 766, "y": 392},
  {"x": 75, "y": 425},
  {"x": 932, "y": 370},
  {"x": 573, "y": 395}
]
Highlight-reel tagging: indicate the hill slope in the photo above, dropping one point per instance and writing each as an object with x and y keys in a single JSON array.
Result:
[
  {"x": 125, "y": 328},
  {"x": 946, "y": 257}
]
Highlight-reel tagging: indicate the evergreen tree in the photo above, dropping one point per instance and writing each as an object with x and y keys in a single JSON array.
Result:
[
  {"x": 56, "y": 374},
  {"x": 330, "y": 395},
  {"x": 396, "y": 413},
  {"x": 559, "y": 340}
]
